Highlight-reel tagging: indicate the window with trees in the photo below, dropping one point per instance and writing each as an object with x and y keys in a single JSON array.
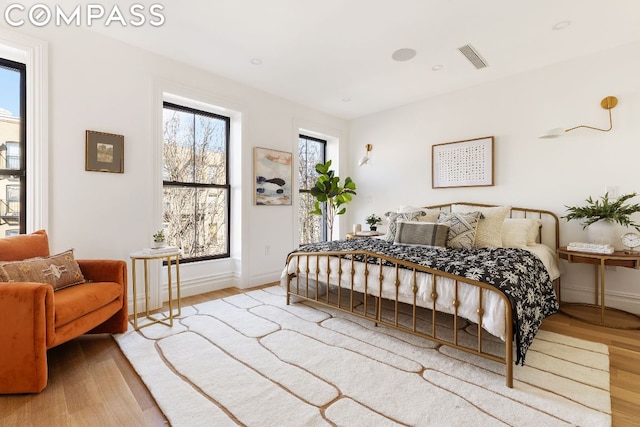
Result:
[
  {"x": 196, "y": 189},
  {"x": 312, "y": 228},
  {"x": 13, "y": 170}
]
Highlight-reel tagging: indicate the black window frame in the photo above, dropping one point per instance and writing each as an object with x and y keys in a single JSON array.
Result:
[
  {"x": 226, "y": 186},
  {"x": 21, "y": 173},
  {"x": 324, "y": 142}
]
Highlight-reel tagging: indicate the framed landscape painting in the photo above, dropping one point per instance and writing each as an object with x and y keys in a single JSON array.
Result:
[
  {"x": 272, "y": 176},
  {"x": 104, "y": 152}
]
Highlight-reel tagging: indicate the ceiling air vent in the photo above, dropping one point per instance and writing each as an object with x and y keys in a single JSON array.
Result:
[{"x": 470, "y": 53}]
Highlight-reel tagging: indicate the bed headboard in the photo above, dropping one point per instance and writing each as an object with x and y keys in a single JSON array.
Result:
[{"x": 549, "y": 228}]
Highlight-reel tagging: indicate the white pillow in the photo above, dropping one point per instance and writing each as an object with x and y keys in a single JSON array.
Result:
[
  {"x": 489, "y": 232},
  {"x": 520, "y": 232},
  {"x": 430, "y": 215},
  {"x": 534, "y": 232}
]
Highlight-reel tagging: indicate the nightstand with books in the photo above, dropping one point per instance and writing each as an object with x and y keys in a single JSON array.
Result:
[{"x": 601, "y": 257}]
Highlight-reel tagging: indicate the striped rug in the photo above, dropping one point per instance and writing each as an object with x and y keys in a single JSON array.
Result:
[{"x": 252, "y": 360}]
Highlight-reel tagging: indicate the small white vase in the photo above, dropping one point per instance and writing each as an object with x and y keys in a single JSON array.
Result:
[
  {"x": 156, "y": 244},
  {"x": 604, "y": 232}
]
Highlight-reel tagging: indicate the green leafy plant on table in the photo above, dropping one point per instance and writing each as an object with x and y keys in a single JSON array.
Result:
[
  {"x": 605, "y": 209},
  {"x": 373, "y": 220},
  {"x": 159, "y": 236}
]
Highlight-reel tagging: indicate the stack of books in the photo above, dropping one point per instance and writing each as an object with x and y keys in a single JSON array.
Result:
[
  {"x": 596, "y": 248},
  {"x": 162, "y": 250}
]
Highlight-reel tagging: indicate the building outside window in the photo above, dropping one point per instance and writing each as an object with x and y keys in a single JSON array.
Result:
[
  {"x": 312, "y": 228},
  {"x": 13, "y": 173},
  {"x": 196, "y": 189}
]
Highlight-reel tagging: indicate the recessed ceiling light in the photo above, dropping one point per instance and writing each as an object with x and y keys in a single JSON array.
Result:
[
  {"x": 437, "y": 67},
  {"x": 561, "y": 25},
  {"x": 256, "y": 61},
  {"x": 404, "y": 54},
  {"x": 346, "y": 99}
]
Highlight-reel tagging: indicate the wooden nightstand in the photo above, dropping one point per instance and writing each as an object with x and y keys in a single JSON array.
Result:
[{"x": 598, "y": 313}]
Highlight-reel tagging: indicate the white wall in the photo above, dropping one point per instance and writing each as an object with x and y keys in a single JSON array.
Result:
[
  {"x": 100, "y": 84},
  {"x": 540, "y": 173}
]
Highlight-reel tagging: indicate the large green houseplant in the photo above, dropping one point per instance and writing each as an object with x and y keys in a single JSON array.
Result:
[{"x": 328, "y": 190}]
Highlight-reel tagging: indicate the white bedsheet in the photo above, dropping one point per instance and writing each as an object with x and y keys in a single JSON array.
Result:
[{"x": 493, "y": 319}]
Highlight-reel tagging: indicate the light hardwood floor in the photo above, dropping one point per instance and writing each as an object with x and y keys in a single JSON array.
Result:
[{"x": 92, "y": 384}]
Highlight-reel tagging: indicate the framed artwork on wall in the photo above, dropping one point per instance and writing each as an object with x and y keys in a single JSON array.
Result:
[
  {"x": 467, "y": 163},
  {"x": 104, "y": 152},
  {"x": 273, "y": 174}
]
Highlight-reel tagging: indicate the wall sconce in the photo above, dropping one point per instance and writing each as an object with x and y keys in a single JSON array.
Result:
[
  {"x": 607, "y": 103},
  {"x": 365, "y": 158}
]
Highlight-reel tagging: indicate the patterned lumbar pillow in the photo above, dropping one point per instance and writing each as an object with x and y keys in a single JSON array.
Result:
[
  {"x": 394, "y": 217},
  {"x": 418, "y": 233},
  {"x": 462, "y": 229},
  {"x": 60, "y": 271}
]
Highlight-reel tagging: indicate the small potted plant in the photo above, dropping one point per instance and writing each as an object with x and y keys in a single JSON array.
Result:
[
  {"x": 158, "y": 239},
  {"x": 373, "y": 220}
]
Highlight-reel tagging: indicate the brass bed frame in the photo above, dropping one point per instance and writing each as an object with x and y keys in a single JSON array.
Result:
[{"x": 312, "y": 289}]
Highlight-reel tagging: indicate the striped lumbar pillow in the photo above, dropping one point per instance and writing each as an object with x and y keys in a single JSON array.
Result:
[{"x": 418, "y": 233}]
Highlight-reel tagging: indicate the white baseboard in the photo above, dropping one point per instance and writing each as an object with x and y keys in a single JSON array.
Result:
[
  {"x": 206, "y": 284},
  {"x": 620, "y": 300},
  {"x": 265, "y": 278}
]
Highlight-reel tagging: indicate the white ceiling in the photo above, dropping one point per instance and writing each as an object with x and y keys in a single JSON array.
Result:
[{"x": 322, "y": 52}]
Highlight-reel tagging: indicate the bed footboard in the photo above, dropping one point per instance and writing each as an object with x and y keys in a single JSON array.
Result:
[{"x": 403, "y": 296}]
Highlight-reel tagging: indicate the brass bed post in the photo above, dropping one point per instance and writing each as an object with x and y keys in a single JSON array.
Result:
[
  {"x": 339, "y": 282},
  {"x": 353, "y": 273},
  {"x": 480, "y": 314},
  {"x": 308, "y": 270},
  {"x": 378, "y": 299},
  {"x": 366, "y": 283},
  {"x": 415, "y": 297},
  {"x": 329, "y": 277},
  {"x": 397, "y": 283},
  {"x": 434, "y": 297},
  {"x": 455, "y": 304}
]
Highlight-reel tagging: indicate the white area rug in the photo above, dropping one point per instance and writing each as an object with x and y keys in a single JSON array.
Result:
[{"x": 252, "y": 360}]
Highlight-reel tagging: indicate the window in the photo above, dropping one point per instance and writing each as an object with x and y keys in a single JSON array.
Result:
[
  {"x": 313, "y": 228},
  {"x": 196, "y": 190},
  {"x": 13, "y": 173}
]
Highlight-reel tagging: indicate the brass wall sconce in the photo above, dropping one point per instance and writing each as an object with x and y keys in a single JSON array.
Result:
[
  {"x": 607, "y": 103},
  {"x": 365, "y": 158}
]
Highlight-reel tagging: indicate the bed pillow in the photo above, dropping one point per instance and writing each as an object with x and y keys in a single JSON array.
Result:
[
  {"x": 430, "y": 215},
  {"x": 462, "y": 228},
  {"x": 489, "y": 233},
  {"x": 519, "y": 232},
  {"x": 534, "y": 232},
  {"x": 394, "y": 217},
  {"x": 419, "y": 233},
  {"x": 515, "y": 232},
  {"x": 60, "y": 270}
]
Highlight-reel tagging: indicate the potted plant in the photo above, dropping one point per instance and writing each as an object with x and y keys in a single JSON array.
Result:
[
  {"x": 601, "y": 215},
  {"x": 158, "y": 238},
  {"x": 328, "y": 190},
  {"x": 373, "y": 220}
]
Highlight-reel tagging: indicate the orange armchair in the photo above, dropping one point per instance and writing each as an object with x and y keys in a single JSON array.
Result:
[{"x": 34, "y": 318}]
